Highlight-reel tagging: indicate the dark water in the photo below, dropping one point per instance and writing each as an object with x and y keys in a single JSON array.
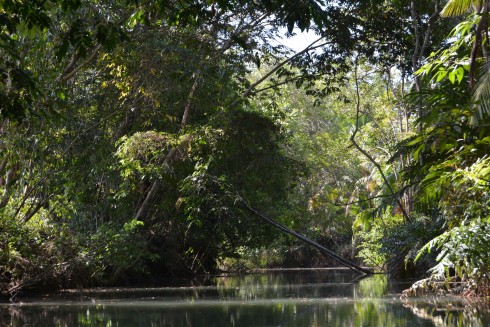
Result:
[{"x": 281, "y": 298}]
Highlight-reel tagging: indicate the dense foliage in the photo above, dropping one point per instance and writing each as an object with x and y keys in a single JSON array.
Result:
[
  {"x": 132, "y": 132},
  {"x": 447, "y": 172}
]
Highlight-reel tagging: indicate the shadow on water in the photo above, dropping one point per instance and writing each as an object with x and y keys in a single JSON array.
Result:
[{"x": 278, "y": 298}]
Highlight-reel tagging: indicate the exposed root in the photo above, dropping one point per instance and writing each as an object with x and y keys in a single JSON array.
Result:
[{"x": 465, "y": 287}]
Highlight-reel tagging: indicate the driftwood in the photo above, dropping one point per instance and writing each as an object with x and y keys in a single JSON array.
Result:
[{"x": 324, "y": 250}]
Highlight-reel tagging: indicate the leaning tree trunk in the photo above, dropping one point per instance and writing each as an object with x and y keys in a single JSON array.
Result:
[{"x": 324, "y": 250}]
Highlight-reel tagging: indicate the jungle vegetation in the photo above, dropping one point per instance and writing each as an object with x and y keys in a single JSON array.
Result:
[{"x": 135, "y": 136}]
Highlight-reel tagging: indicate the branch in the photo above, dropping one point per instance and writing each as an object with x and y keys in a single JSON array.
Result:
[
  {"x": 366, "y": 154},
  {"x": 324, "y": 250},
  {"x": 9, "y": 178},
  {"x": 343, "y": 204},
  {"x": 72, "y": 73},
  {"x": 190, "y": 98},
  {"x": 250, "y": 89},
  {"x": 31, "y": 213},
  {"x": 289, "y": 80},
  {"x": 28, "y": 193},
  {"x": 239, "y": 29},
  {"x": 431, "y": 20}
]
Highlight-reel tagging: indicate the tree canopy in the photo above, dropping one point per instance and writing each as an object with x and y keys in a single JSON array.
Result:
[{"x": 131, "y": 131}]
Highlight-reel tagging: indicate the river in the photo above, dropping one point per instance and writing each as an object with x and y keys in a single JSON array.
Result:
[{"x": 320, "y": 297}]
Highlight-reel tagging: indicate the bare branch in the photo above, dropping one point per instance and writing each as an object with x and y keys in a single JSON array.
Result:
[
  {"x": 251, "y": 88},
  {"x": 365, "y": 153},
  {"x": 67, "y": 75}
]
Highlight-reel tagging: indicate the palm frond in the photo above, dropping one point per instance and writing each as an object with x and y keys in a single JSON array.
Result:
[
  {"x": 481, "y": 96},
  {"x": 459, "y": 7}
]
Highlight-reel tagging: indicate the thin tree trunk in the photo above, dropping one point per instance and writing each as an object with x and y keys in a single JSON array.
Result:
[
  {"x": 32, "y": 212},
  {"x": 10, "y": 176},
  {"x": 421, "y": 43},
  {"x": 151, "y": 196}
]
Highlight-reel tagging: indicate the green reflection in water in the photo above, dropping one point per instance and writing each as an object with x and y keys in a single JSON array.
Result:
[
  {"x": 272, "y": 299},
  {"x": 373, "y": 286}
]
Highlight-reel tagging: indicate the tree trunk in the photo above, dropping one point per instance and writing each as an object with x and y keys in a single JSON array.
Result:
[{"x": 145, "y": 207}]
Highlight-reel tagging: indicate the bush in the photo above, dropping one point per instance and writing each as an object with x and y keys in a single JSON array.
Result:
[
  {"x": 35, "y": 254},
  {"x": 391, "y": 244},
  {"x": 464, "y": 249}
]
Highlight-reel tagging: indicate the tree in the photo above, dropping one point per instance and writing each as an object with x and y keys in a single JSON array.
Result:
[
  {"x": 132, "y": 121},
  {"x": 450, "y": 183}
]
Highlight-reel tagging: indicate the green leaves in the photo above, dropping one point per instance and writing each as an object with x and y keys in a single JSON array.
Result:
[
  {"x": 482, "y": 96},
  {"x": 465, "y": 248},
  {"x": 459, "y": 7},
  {"x": 452, "y": 63},
  {"x": 442, "y": 69},
  {"x": 146, "y": 154},
  {"x": 114, "y": 249},
  {"x": 140, "y": 16}
]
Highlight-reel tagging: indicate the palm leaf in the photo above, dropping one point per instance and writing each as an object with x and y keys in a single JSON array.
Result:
[
  {"x": 482, "y": 95},
  {"x": 459, "y": 7}
]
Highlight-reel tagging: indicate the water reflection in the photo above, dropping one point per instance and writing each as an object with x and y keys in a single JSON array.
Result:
[
  {"x": 447, "y": 312},
  {"x": 294, "y": 298}
]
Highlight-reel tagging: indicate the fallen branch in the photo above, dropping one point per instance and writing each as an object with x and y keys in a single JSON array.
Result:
[{"x": 324, "y": 250}]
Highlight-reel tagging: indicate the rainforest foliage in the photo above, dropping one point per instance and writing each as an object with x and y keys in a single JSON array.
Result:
[{"x": 135, "y": 135}]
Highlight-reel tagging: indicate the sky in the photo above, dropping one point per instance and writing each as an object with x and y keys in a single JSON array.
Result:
[{"x": 300, "y": 41}]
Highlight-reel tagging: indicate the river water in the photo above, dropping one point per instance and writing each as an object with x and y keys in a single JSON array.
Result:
[{"x": 321, "y": 297}]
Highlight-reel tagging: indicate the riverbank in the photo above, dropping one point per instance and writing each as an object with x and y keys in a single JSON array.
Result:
[{"x": 467, "y": 287}]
